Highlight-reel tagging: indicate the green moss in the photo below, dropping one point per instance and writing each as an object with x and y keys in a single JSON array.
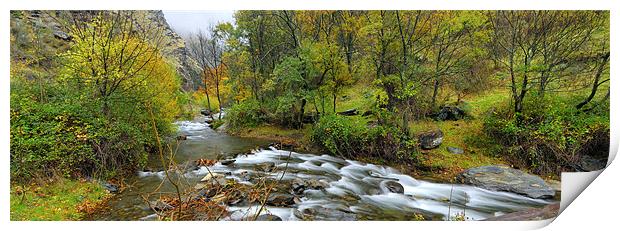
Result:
[{"x": 57, "y": 201}]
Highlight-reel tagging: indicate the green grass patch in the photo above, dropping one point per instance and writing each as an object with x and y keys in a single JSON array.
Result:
[
  {"x": 466, "y": 134},
  {"x": 358, "y": 97},
  {"x": 56, "y": 201}
]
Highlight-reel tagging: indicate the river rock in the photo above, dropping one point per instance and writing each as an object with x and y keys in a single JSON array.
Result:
[
  {"x": 265, "y": 167},
  {"x": 430, "y": 139},
  {"x": 206, "y": 193},
  {"x": 503, "y": 178},
  {"x": 298, "y": 186},
  {"x": 455, "y": 150},
  {"x": 280, "y": 199},
  {"x": 268, "y": 217},
  {"x": 394, "y": 187},
  {"x": 588, "y": 163},
  {"x": 211, "y": 176},
  {"x": 152, "y": 217},
  {"x": 531, "y": 214},
  {"x": 227, "y": 162},
  {"x": 324, "y": 214},
  {"x": 205, "y": 112},
  {"x": 112, "y": 188},
  {"x": 182, "y": 137}
]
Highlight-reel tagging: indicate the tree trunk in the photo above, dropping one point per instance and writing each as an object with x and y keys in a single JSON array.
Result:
[
  {"x": 208, "y": 99},
  {"x": 596, "y": 83},
  {"x": 334, "y": 95},
  {"x": 301, "y": 113},
  {"x": 435, "y": 91}
]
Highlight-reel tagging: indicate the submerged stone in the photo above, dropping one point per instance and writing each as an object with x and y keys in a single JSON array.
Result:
[
  {"x": 227, "y": 162},
  {"x": 324, "y": 214},
  {"x": 394, "y": 187},
  {"x": 280, "y": 199},
  {"x": 268, "y": 217}
]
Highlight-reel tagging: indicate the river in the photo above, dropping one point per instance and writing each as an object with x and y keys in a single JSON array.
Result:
[{"x": 352, "y": 189}]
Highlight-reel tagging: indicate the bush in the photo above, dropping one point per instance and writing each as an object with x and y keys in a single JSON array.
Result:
[
  {"x": 552, "y": 136},
  {"x": 48, "y": 139},
  {"x": 245, "y": 114},
  {"x": 350, "y": 137},
  {"x": 339, "y": 135},
  {"x": 72, "y": 122},
  {"x": 68, "y": 138}
]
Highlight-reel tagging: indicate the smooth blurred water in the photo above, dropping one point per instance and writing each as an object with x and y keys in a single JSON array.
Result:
[{"x": 351, "y": 186}]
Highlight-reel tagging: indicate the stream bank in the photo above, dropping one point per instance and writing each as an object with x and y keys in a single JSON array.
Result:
[{"x": 309, "y": 186}]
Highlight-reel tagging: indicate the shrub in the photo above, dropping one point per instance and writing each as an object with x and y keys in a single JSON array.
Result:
[
  {"x": 69, "y": 121},
  {"x": 339, "y": 135},
  {"x": 552, "y": 135},
  {"x": 350, "y": 137},
  {"x": 245, "y": 114}
]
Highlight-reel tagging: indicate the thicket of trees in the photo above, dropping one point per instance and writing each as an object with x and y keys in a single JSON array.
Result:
[
  {"x": 87, "y": 109},
  {"x": 284, "y": 66},
  {"x": 301, "y": 60},
  {"x": 91, "y": 115}
]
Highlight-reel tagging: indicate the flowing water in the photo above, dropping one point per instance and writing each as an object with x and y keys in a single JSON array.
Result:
[{"x": 351, "y": 189}]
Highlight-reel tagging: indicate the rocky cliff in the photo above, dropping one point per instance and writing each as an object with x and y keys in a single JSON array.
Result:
[{"x": 46, "y": 29}]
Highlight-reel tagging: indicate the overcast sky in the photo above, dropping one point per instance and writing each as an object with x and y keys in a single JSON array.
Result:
[{"x": 187, "y": 21}]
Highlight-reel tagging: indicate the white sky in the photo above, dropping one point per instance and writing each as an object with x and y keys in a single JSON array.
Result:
[{"x": 188, "y": 21}]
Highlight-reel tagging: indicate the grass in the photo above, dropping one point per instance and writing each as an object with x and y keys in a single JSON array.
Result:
[
  {"x": 466, "y": 134},
  {"x": 299, "y": 138},
  {"x": 438, "y": 163},
  {"x": 57, "y": 201},
  {"x": 358, "y": 96}
]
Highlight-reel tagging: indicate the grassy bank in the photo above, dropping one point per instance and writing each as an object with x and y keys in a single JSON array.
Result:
[
  {"x": 60, "y": 200},
  {"x": 438, "y": 164},
  {"x": 466, "y": 134}
]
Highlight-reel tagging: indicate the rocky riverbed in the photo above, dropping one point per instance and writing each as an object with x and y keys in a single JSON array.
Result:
[{"x": 311, "y": 186}]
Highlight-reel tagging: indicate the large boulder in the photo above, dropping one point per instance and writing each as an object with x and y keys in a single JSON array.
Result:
[
  {"x": 450, "y": 113},
  {"x": 430, "y": 139},
  {"x": 504, "y": 178},
  {"x": 588, "y": 163},
  {"x": 531, "y": 214}
]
